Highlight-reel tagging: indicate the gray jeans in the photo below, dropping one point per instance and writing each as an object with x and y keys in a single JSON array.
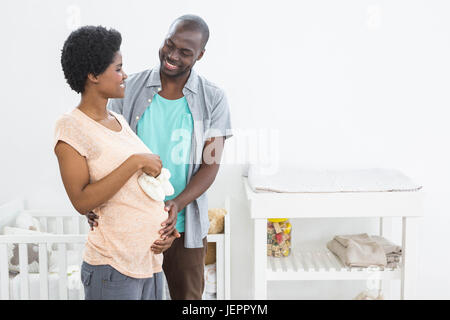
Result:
[{"x": 103, "y": 282}]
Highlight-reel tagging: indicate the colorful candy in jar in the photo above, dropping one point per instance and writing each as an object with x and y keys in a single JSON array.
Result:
[{"x": 278, "y": 237}]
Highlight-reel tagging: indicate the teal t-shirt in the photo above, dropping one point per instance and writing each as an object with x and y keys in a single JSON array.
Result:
[{"x": 166, "y": 128}]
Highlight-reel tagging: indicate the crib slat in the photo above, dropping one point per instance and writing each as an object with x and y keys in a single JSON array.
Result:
[
  {"x": 43, "y": 271},
  {"x": 59, "y": 225},
  {"x": 43, "y": 221},
  {"x": 85, "y": 228},
  {"x": 4, "y": 272},
  {"x": 23, "y": 267},
  {"x": 62, "y": 266},
  {"x": 76, "y": 225}
]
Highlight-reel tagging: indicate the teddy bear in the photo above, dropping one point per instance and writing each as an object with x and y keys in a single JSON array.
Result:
[
  {"x": 24, "y": 224},
  {"x": 157, "y": 188},
  {"x": 26, "y": 221},
  {"x": 216, "y": 225},
  {"x": 216, "y": 220}
]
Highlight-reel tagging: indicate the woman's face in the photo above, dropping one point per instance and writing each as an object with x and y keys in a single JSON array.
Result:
[{"x": 111, "y": 82}]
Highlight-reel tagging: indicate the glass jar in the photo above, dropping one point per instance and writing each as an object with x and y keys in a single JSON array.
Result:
[{"x": 278, "y": 237}]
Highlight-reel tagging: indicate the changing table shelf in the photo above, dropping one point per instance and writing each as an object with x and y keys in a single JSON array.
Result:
[
  {"x": 318, "y": 263},
  {"x": 321, "y": 264}
]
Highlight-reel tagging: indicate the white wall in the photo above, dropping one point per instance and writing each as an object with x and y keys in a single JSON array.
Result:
[{"x": 335, "y": 83}]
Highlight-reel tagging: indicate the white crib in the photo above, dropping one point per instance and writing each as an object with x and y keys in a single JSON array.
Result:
[{"x": 69, "y": 236}]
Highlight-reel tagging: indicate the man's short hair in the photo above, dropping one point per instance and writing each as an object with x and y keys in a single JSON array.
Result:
[{"x": 192, "y": 22}]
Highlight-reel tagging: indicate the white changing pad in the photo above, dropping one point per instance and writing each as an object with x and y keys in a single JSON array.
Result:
[{"x": 290, "y": 179}]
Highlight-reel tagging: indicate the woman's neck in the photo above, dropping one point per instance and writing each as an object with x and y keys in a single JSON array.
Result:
[{"x": 94, "y": 106}]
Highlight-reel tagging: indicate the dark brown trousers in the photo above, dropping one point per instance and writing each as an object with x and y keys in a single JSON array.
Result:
[{"x": 184, "y": 270}]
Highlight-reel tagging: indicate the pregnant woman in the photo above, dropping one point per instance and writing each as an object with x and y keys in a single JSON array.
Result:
[{"x": 100, "y": 159}]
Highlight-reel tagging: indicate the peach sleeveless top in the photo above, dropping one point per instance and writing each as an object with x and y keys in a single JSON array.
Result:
[{"x": 130, "y": 221}]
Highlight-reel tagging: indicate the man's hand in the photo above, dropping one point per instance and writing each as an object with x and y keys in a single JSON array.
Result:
[
  {"x": 168, "y": 226},
  {"x": 92, "y": 219},
  {"x": 162, "y": 245}
]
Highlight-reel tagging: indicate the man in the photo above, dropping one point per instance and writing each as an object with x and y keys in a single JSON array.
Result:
[{"x": 184, "y": 119}]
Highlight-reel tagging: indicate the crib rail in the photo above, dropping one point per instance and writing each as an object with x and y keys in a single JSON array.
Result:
[
  {"x": 60, "y": 222},
  {"x": 51, "y": 238},
  {"x": 68, "y": 231},
  {"x": 43, "y": 242}
]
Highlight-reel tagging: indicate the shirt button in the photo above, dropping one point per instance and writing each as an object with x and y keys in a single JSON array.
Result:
[
  {"x": 149, "y": 100},
  {"x": 137, "y": 117}
]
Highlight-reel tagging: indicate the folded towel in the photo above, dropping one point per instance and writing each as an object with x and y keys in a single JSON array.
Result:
[
  {"x": 391, "y": 259},
  {"x": 362, "y": 250},
  {"x": 358, "y": 250},
  {"x": 392, "y": 265},
  {"x": 388, "y": 247},
  {"x": 347, "y": 240}
]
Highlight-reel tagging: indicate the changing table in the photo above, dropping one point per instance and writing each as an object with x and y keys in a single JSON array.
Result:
[{"x": 319, "y": 263}]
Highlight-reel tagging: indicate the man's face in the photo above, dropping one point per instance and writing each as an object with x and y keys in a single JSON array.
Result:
[{"x": 179, "y": 51}]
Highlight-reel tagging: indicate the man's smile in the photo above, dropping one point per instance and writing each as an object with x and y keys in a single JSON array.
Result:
[{"x": 169, "y": 65}]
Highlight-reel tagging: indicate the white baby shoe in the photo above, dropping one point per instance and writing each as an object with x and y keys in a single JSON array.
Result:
[
  {"x": 163, "y": 178},
  {"x": 157, "y": 188}
]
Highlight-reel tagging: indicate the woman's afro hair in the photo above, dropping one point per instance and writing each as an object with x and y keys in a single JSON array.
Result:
[{"x": 88, "y": 49}]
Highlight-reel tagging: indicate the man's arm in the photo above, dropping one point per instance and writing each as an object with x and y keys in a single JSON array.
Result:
[
  {"x": 199, "y": 183},
  {"x": 212, "y": 152},
  {"x": 211, "y": 156}
]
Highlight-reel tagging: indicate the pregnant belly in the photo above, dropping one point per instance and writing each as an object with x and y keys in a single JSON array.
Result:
[{"x": 123, "y": 223}]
